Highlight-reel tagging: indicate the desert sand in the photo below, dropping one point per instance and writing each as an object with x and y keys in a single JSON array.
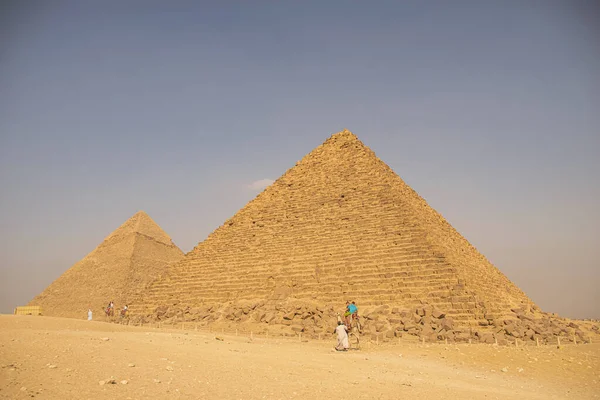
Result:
[{"x": 58, "y": 358}]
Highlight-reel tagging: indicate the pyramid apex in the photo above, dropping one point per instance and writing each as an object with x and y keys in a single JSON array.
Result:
[
  {"x": 344, "y": 132},
  {"x": 343, "y": 136},
  {"x": 140, "y": 215},
  {"x": 142, "y": 223}
]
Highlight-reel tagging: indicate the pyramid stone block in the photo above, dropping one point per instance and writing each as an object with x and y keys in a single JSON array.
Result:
[
  {"x": 339, "y": 225},
  {"x": 119, "y": 269}
]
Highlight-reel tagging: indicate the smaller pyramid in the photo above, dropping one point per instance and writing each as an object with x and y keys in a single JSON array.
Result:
[{"x": 119, "y": 269}]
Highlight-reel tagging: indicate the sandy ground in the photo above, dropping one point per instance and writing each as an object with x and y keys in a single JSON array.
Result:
[{"x": 55, "y": 358}]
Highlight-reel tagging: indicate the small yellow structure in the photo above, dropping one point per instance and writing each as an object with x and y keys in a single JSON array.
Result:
[{"x": 28, "y": 310}]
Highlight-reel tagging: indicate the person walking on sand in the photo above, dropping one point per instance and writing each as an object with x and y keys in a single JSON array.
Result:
[
  {"x": 342, "y": 337},
  {"x": 89, "y": 314}
]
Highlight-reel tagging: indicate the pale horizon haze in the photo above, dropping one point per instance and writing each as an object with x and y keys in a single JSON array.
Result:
[{"x": 490, "y": 110}]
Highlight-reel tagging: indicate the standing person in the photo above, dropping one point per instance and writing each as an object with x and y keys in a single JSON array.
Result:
[
  {"x": 342, "y": 337},
  {"x": 89, "y": 314},
  {"x": 110, "y": 309}
]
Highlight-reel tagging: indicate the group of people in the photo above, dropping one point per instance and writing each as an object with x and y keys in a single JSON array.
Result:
[
  {"x": 110, "y": 309},
  {"x": 343, "y": 327}
]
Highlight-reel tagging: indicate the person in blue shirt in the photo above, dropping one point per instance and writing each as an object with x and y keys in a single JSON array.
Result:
[
  {"x": 354, "y": 315},
  {"x": 352, "y": 308},
  {"x": 351, "y": 312}
]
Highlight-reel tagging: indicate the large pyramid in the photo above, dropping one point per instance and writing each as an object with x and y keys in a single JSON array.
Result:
[
  {"x": 340, "y": 225},
  {"x": 119, "y": 269}
]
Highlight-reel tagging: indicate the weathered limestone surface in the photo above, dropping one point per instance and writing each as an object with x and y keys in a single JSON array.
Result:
[
  {"x": 119, "y": 269},
  {"x": 338, "y": 225}
]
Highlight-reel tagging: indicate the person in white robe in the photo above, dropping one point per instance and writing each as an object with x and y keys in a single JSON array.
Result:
[{"x": 342, "y": 337}]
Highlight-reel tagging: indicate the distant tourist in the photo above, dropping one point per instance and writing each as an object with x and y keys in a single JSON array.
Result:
[
  {"x": 342, "y": 337},
  {"x": 89, "y": 314},
  {"x": 110, "y": 309}
]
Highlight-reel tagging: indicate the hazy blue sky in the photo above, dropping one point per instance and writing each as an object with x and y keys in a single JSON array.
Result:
[{"x": 490, "y": 110}]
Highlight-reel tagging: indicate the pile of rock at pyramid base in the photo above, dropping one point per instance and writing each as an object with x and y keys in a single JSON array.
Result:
[
  {"x": 119, "y": 269},
  {"x": 380, "y": 323},
  {"x": 340, "y": 225}
]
